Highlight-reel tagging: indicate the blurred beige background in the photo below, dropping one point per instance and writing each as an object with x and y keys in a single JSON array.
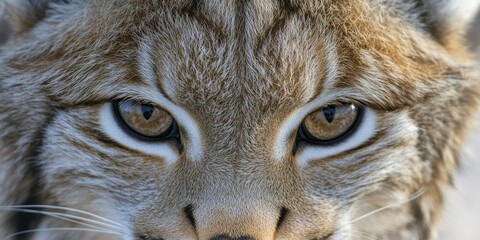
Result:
[{"x": 462, "y": 215}]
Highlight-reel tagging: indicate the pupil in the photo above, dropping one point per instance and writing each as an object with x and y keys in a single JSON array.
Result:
[
  {"x": 147, "y": 111},
  {"x": 329, "y": 113}
]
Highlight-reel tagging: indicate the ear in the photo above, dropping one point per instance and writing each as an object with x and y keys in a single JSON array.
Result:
[{"x": 449, "y": 20}]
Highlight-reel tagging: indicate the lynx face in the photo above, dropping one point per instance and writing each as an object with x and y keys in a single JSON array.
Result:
[{"x": 231, "y": 119}]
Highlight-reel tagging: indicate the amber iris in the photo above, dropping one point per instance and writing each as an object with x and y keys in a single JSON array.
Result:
[
  {"x": 330, "y": 123},
  {"x": 145, "y": 119}
]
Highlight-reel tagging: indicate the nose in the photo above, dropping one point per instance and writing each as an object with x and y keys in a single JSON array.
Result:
[
  {"x": 239, "y": 222},
  {"x": 224, "y": 237},
  {"x": 227, "y": 225}
]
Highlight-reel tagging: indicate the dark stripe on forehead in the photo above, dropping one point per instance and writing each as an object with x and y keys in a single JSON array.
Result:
[
  {"x": 286, "y": 10},
  {"x": 197, "y": 10},
  {"x": 288, "y": 5}
]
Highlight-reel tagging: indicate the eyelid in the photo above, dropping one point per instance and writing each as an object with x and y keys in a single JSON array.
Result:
[
  {"x": 136, "y": 100},
  {"x": 340, "y": 101}
]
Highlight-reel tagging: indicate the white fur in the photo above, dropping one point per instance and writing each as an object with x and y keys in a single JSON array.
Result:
[
  {"x": 344, "y": 228},
  {"x": 331, "y": 64}
]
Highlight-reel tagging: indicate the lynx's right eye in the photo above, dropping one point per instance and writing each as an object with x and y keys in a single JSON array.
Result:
[{"x": 145, "y": 121}]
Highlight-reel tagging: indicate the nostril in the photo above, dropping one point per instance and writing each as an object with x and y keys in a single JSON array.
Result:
[
  {"x": 188, "y": 210},
  {"x": 281, "y": 218}
]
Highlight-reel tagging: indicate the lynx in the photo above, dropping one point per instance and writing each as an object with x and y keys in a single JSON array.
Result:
[{"x": 241, "y": 120}]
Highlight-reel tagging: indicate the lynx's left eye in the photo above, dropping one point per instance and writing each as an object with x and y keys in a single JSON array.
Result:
[
  {"x": 330, "y": 124},
  {"x": 145, "y": 121}
]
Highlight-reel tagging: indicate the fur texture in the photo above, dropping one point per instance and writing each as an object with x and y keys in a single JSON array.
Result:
[{"x": 236, "y": 75}]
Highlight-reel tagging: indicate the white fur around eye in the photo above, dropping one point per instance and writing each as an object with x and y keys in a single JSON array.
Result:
[
  {"x": 364, "y": 131},
  {"x": 111, "y": 128}
]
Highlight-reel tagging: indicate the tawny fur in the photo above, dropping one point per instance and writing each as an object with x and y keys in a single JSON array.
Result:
[{"x": 239, "y": 69}]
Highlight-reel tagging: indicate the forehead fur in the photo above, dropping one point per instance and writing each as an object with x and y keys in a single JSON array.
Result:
[
  {"x": 266, "y": 53},
  {"x": 266, "y": 45}
]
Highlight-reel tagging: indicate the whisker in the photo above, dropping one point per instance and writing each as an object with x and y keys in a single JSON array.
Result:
[
  {"x": 58, "y": 229},
  {"x": 414, "y": 196},
  {"x": 65, "y": 209},
  {"x": 66, "y": 217}
]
